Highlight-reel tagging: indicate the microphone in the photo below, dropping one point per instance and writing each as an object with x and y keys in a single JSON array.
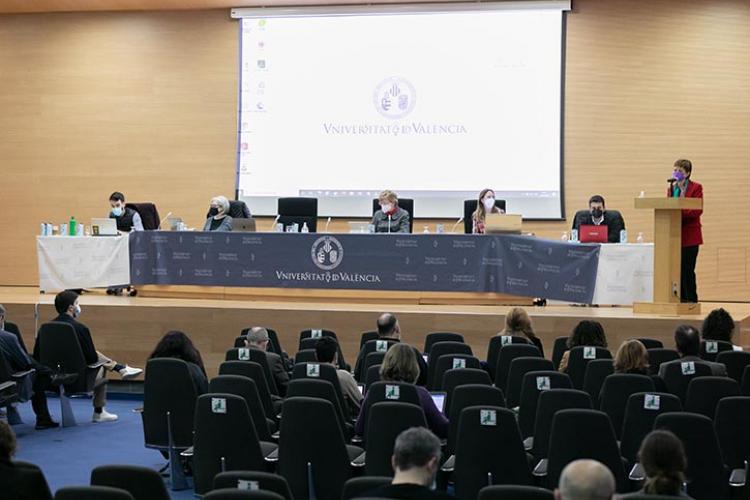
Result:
[
  {"x": 459, "y": 221},
  {"x": 389, "y": 223},
  {"x": 273, "y": 226},
  {"x": 672, "y": 180},
  {"x": 327, "y": 222},
  {"x": 165, "y": 218}
]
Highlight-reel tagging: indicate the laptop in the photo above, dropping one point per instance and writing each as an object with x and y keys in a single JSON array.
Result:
[
  {"x": 502, "y": 223},
  {"x": 104, "y": 227},
  {"x": 589, "y": 233},
  {"x": 174, "y": 223},
  {"x": 243, "y": 225},
  {"x": 439, "y": 399}
]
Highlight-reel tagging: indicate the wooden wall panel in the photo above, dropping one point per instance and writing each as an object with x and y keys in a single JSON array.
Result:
[{"x": 146, "y": 102}]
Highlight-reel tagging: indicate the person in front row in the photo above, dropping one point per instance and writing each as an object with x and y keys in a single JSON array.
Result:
[
  {"x": 218, "y": 219},
  {"x": 485, "y": 205},
  {"x": 687, "y": 340},
  {"x": 326, "y": 351},
  {"x": 598, "y": 215},
  {"x": 662, "y": 456},
  {"x": 390, "y": 218},
  {"x": 126, "y": 218},
  {"x": 175, "y": 344},
  {"x": 69, "y": 310},
  {"x": 415, "y": 461},
  {"x": 257, "y": 338}
]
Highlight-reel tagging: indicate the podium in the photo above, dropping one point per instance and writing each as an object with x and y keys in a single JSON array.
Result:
[{"x": 667, "y": 255}]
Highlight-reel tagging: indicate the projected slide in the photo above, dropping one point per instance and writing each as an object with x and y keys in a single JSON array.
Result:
[{"x": 435, "y": 105}]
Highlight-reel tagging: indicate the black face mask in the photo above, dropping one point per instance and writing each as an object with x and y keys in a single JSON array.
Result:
[
  {"x": 597, "y": 212},
  {"x": 213, "y": 212}
]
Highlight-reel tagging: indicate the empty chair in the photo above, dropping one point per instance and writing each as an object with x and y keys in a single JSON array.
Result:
[
  {"x": 141, "y": 482},
  {"x": 519, "y": 367},
  {"x": 321, "y": 389},
  {"x": 732, "y": 430},
  {"x": 583, "y": 434},
  {"x": 300, "y": 211},
  {"x": 92, "y": 493},
  {"x": 367, "y": 336},
  {"x": 307, "y": 343},
  {"x": 735, "y": 361},
  {"x": 439, "y": 349},
  {"x": 451, "y": 362},
  {"x": 320, "y": 371},
  {"x": 305, "y": 356},
  {"x": 18, "y": 475},
  {"x": 678, "y": 374},
  {"x": 641, "y": 411},
  {"x": 596, "y": 371},
  {"x": 616, "y": 391},
  {"x": 506, "y": 356},
  {"x": 651, "y": 343},
  {"x": 706, "y": 473},
  {"x": 385, "y": 422},
  {"x": 579, "y": 357},
  {"x": 532, "y": 384},
  {"x": 489, "y": 451},
  {"x": 372, "y": 376},
  {"x": 358, "y": 486},
  {"x": 246, "y": 389},
  {"x": 493, "y": 349},
  {"x": 558, "y": 349},
  {"x": 372, "y": 359},
  {"x": 434, "y": 337},
  {"x": 509, "y": 492},
  {"x": 550, "y": 402},
  {"x": 658, "y": 356},
  {"x": 312, "y": 451},
  {"x": 255, "y": 372},
  {"x": 710, "y": 349},
  {"x": 256, "y": 356},
  {"x": 264, "y": 481},
  {"x": 235, "y": 494},
  {"x": 465, "y": 396},
  {"x": 704, "y": 393},
  {"x": 462, "y": 376}
]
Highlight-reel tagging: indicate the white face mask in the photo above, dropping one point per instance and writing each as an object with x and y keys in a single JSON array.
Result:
[
  {"x": 489, "y": 203},
  {"x": 77, "y": 311},
  {"x": 386, "y": 207}
]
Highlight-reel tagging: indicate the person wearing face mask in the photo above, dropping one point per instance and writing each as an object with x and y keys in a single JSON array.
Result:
[
  {"x": 485, "y": 205},
  {"x": 69, "y": 310},
  {"x": 218, "y": 220},
  {"x": 598, "y": 215},
  {"x": 127, "y": 219},
  {"x": 390, "y": 218},
  {"x": 682, "y": 186}
]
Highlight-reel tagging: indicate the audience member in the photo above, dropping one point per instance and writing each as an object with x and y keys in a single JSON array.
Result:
[
  {"x": 688, "y": 343},
  {"x": 326, "y": 350},
  {"x": 718, "y": 325},
  {"x": 632, "y": 357},
  {"x": 218, "y": 220},
  {"x": 400, "y": 365},
  {"x": 68, "y": 310},
  {"x": 585, "y": 480},
  {"x": 663, "y": 459},
  {"x": 257, "y": 338},
  {"x": 19, "y": 481},
  {"x": 586, "y": 333},
  {"x": 176, "y": 344},
  {"x": 518, "y": 324},
  {"x": 415, "y": 460}
]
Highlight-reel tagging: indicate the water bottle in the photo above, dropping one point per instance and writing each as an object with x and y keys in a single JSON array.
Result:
[
  {"x": 305, "y": 229},
  {"x": 623, "y": 236},
  {"x": 639, "y": 238},
  {"x": 72, "y": 226},
  {"x": 426, "y": 229},
  {"x": 574, "y": 235}
]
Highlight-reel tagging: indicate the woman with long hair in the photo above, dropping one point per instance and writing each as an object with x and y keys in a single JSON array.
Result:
[
  {"x": 175, "y": 344},
  {"x": 662, "y": 456},
  {"x": 485, "y": 205},
  {"x": 518, "y": 323},
  {"x": 586, "y": 333}
]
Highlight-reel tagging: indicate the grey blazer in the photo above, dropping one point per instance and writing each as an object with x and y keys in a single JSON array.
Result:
[
  {"x": 399, "y": 221},
  {"x": 226, "y": 224}
]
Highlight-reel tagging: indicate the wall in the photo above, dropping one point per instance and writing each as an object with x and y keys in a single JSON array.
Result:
[{"x": 94, "y": 102}]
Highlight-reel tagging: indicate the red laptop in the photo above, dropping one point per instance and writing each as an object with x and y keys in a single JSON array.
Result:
[{"x": 589, "y": 233}]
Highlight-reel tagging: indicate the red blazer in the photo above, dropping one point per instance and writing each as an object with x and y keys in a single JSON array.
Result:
[{"x": 692, "y": 234}]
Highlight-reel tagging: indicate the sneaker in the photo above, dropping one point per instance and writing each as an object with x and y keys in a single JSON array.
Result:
[
  {"x": 47, "y": 423},
  {"x": 104, "y": 416},
  {"x": 129, "y": 372}
]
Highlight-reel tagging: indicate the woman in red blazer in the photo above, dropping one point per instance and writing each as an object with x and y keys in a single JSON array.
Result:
[{"x": 692, "y": 236}]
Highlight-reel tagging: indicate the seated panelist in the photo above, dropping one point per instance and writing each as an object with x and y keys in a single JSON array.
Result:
[
  {"x": 126, "y": 218},
  {"x": 598, "y": 215},
  {"x": 218, "y": 220},
  {"x": 390, "y": 218},
  {"x": 485, "y": 205}
]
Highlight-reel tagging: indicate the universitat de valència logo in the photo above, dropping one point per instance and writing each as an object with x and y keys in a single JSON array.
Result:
[
  {"x": 327, "y": 253},
  {"x": 395, "y": 97}
]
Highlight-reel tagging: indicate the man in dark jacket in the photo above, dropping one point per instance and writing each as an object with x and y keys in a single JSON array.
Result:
[
  {"x": 598, "y": 215},
  {"x": 257, "y": 338}
]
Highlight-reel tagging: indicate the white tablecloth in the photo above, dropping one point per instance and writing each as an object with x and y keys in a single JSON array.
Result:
[
  {"x": 82, "y": 261},
  {"x": 625, "y": 274}
]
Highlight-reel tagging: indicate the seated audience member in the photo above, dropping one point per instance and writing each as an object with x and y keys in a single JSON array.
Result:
[
  {"x": 126, "y": 218},
  {"x": 664, "y": 462},
  {"x": 400, "y": 365},
  {"x": 688, "y": 343},
  {"x": 19, "y": 481},
  {"x": 586, "y": 333},
  {"x": 631, "y": 357},
  {"x": 257, "y": 338},
  {"x": 68, "y": 310},
  {"x": 19, "y": 360},
  {"x": 415, "y": 461},
  {"x": 518, "y": 324},
  {"x": 218, "y": 219},
  {"x": 389, "y": 329},
  {"x": 326, "y": 350},
  {"x": 597, "y": 215},
  {"x": 176, "y": 344},
  {"x": 390, "y": 218},
  {"x": 585, "y": 480},
  {"x": 485, "y": 205},
  {"x": 718, "y": 325}
]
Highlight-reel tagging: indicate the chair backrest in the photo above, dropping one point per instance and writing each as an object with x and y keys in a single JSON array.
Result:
[
  {"x": 356, "y": 487},
  {"x": 505, "y": 357},
  {"x": 149, "y": 215},
  {"x": 470, "y": 206},
  {"x": 310, "y": 435},
  {"x": 451, "y": 362},
  {"x": 247, "y": 389},
  {"x": 745, "y": 384},
  {"x": 650, "y": 343},
  {"x": 616, "y": 391},
  {"x": 593, "y": 379},
  {"x": 143, "y": 483},
  {"x": 519, "y": 367},
  {"x": 489, "y": 451},
  {"x": 462, "y": 376},
  {"x": 578, "y": 359},
  {"x": 704, "y": 394},
  {"x": 255, "y": 372},
  {"x": 235, "y": 494},
  {"x": 372, "y": 359},
  {"x": 732, "y": 430},
  {"x": 307, "y": 343},
  {"x": 550, "y": 402},
  {"x": 678, "y": 374},
  {"x": 372, "y": 376},
  {"x": 168, "y": 388},
  {"x": 465, "y": 396},
  {"x": 399, "y": 392},
  {"x": 317, "y": 333},
  {"x": 657, "y": 356},
  {"x": 367, "y": 336},
  {"x": 385, "y": 422},
  {"x": 375, "y": 345},
  {"x": 513, "y": 492},
  {"x": 641, "y": 411},
  {"x": 253, "y": 480},
  {"x": 237, "y": 210},
  {"x": 15, "y": 330},
  {"x": 404, "y": 203},
  {"x": 306, "y": 356},
  {"x": 735, "y": 361},
  {"x": 710, "y": 349},
  {"x": 435, "y": 337},
  {"x": 256, "y": 356},
  {"x": 225, "y": 439},
  {"x": 92, "y": 493},
  {"x": 532, "y": 385},
  {"x": 298, "y": 210},
  {"x": 707, "y": 476},
  {"x": 320, "y": 371},
  {"x": 558, "y": 349},
  {"x": 59, "y": 347},
  {"x": 495, "y": 344},
  {"x": 439, "y": 349},
  {"x": 321, "y": 389},
  {"x": 579, "y": 434}
]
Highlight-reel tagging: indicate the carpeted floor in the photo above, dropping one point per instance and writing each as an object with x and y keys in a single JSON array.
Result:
[{"x": 67, "y": 456}]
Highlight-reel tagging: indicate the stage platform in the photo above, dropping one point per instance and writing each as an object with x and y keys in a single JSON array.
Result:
[{"x": 127, "y": 329}]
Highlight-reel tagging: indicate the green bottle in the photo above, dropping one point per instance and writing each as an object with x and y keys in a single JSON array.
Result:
[{"x": 72, "y": 226}]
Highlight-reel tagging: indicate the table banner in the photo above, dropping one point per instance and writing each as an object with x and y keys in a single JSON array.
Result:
[{"x": 82, "y": 262}]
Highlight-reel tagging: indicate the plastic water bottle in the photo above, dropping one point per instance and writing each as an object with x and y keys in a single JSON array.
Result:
[
  {"x": 623, "y": 236},
  {"x": 639, "y": 238},
  {"x": 72, "y": 226},
  {"x": 426, "y": 229},
  {"x": 305, "y": 229},
  {"x": 574, "y": 235}
]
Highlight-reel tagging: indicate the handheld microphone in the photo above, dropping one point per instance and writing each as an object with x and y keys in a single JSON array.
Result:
[
  {"x": 327, "y": 222},
  {"x": 459, "y": 221},
  {"x": 672, "y": 180},
  {"x": 273, "y": 226},
  {"x": 165, "y": 218}
]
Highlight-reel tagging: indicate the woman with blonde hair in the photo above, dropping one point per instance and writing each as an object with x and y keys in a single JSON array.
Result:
[
  {"x": 400, "y": 365},
  {"x": 390, "y": 218},
  {"x": 632, "y": 357},
  {"x": 485, "y": 205},
  {"x": 518, "y": 323}
]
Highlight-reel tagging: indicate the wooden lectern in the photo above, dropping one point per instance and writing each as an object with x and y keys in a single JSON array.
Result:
[{"x": 667, "y": 255}]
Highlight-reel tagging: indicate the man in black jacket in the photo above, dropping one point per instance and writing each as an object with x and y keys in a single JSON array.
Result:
[
  {"x": 598, "y": 215},
  {"x": 257, "y": 338}
]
